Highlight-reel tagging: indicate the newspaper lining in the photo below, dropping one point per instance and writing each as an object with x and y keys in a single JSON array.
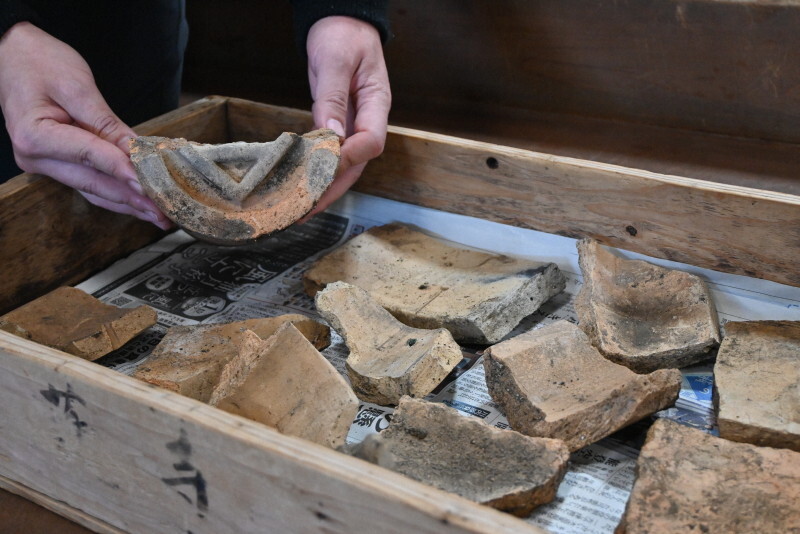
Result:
[{"x": 191, "y": 282}]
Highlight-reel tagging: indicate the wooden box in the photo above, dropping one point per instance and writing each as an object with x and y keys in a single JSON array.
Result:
[{"x": 116, "y": 455}]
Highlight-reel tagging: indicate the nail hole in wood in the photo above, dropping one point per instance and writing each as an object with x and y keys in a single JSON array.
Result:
[{"x": 492, "y": 163}]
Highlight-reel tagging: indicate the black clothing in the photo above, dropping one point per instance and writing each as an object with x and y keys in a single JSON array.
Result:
[
  {"x": 135, "y": 49},
  {"x": 307, "y": 12}
]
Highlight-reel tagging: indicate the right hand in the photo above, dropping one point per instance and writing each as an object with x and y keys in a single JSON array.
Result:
[{"x": 61, "y": 126}]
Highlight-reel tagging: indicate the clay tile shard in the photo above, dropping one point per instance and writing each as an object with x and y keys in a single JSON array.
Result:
[
  {"x": 757, "y": 383},
  {"x": 387, "y": 358},
  {"x": 70, "y": 320},
  {"x": 236, "y": 192},
  {"x": 292, "y": 387},
  {"x": 432, "y": 443},
  {"x": 551, "y": 382},
  {"x": 641, "y": 315},
  {"x": 427, "y": 283},
  {"x": 190, "y": 359},
  {"x": 689, "y": 481}
]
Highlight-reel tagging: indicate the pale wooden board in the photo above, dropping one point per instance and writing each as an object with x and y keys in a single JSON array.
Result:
[
  {"x": 717, "y": 226},
  {"x": 117, "y": 466}
]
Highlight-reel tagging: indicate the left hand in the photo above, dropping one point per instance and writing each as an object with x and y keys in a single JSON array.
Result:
[{"x": 350, "y": 87}]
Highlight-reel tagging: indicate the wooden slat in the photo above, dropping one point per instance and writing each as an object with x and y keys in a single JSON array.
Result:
[
  {"x": 742, "y": 161},
  {"x": 722, "y": 227},
  {"x": 50, "y": 235},
  {"x": 116, "y": 449},
  {"x": 204, "y": 121},
  {"x": 252, "y": 121}
]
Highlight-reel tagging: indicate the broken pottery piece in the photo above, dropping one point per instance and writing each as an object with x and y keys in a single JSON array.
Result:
[
  {"x": 427, "y": 283},
  {"x": 552, "y": 382},
  {"x": 292, "y": 387},
  {"x": 236, "y": 192},
  {"x": 75, "y": 322},
  {"x": 690, "y": 481},
  {"x": 757, "y": 383},
  {"x": 432, "y": 443},
  {"x": 189, "y": 359},
  {"x": 315, "y": 332},
  {"x": 387, "y": 358},
  {"x": 643, "y": 316}
]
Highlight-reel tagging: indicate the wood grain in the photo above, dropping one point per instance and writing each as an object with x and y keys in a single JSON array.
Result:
[
  {"x": 124, "y": 464},
  {"x": 723, "y": 67},
  {"x": 51, "y": 236},
  {"x": 717, "y": 226}
]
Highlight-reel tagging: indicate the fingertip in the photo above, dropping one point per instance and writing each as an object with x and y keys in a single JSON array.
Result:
[
  {"x": 336, "y": 126},
  {"x": 125, "y": 142},
  {"x": 136, "y": 186},
  {"x": 158, "y": 219}
]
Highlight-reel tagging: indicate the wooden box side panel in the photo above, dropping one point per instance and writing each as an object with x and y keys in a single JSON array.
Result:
[
  {"x": 716, "y": 226},
  {"x": 142, "y": 459},
  {"x": 50, "y": 235}
]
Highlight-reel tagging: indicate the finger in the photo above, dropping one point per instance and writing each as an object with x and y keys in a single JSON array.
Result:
[
  {"x": 88, "y": 108},
  {"x": 98, "y": 184},
  {"x": 361, "y": 147},
  {"x": 331, "y": 93},
  {"x": 163, "y": 222},
  {"x": 370, "y": 126},
  {"x": 63, "y": 142},
  {"x": 339, "y": 187}
]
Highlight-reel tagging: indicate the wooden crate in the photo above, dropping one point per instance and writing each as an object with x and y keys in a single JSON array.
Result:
[{"x": 117, "y": 455}]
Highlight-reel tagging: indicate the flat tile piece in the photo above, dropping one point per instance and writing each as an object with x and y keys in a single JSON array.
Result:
[
  {"x": 757, "y": 383},
  {"x": 190, "y": 359},
  {"x": 387, "y": 358},
  {"x": 75, "y": 322},
  {"x": 432, "y": 443},
  {"x": 427, "y": 283},
  {"x": 641, "y": 315},
  {"x": 551, "y": 382},
  {"x": 690, "y": 481},
  {"x": 292, "y": 387},
  {"x": 236, "y": 192}
]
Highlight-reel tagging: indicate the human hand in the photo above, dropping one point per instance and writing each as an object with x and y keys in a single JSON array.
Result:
[
  {"x": 350, "y": 88},
  {"x": 61, "y": 126}
]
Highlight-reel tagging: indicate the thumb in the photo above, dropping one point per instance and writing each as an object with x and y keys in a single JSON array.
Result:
[{"x": 331, "y": 95}]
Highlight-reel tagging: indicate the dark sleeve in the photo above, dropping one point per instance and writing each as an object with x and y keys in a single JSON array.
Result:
[
  {"x": 307, "y": 12},
  {"x": 13, "y": 11}
]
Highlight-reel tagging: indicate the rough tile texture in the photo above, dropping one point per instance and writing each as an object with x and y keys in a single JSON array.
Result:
[
  {"x": 387, "y": 358},
  {"x": 689, "y": 481},
  {"x": 190, "y": 359},
  {"x": 427, "y": 283},
  {"x": 317, "y": 333},
  {"x": 757, "y": 383},
  {"x": 641, "y": 315},
  {"x": 551, "y": 382},
  {"x": 236, "y": 192},
  {"x": 75, "y": 322},
  {"x": 302, "y": 395},
  {"x": 432, "y": 443}
]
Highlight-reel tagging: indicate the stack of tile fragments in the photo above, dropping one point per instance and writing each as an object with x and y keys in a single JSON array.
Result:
[
  {"x": 638, "y": 324},
  {"x": 404, "y": 302}
]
